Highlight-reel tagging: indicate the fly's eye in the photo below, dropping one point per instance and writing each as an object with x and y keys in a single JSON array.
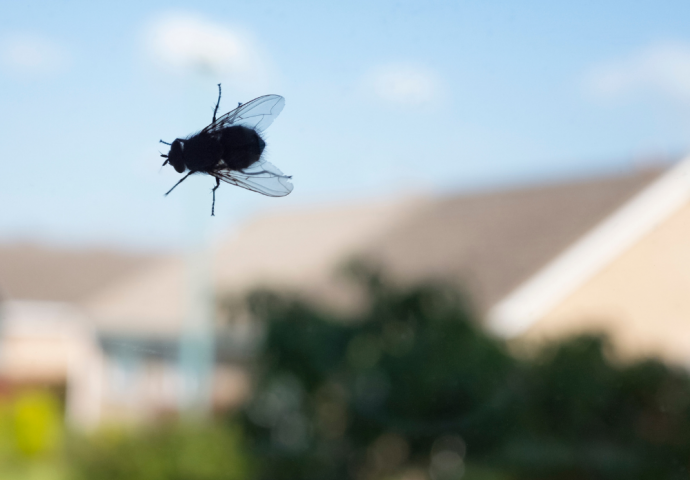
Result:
[{"x": 175, "y": 156}]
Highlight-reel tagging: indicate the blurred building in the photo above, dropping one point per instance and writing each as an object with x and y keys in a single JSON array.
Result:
[
  {"x": 540, "y": 262},
  {"x": 46, "y": 341}
]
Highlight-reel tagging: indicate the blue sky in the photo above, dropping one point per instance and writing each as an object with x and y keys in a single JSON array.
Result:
[{"x": 382, "y": 98}]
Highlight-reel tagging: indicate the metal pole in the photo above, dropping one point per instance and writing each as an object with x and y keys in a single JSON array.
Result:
[{"x": 196, "y": 349}]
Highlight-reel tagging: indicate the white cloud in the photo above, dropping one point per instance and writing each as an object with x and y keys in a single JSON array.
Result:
[
  {"x": 34, "y": 55},
  {"x": 187, "y": 43},
  {"x": 404, "y": 84},
  {"x": 658, "y": 69}
]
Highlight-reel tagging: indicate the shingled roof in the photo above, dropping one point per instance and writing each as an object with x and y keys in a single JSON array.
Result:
[
  {"x": 493, "y": 241},
  {"x": 30, "y": 271},
  {"x": 490, "y": 242}
]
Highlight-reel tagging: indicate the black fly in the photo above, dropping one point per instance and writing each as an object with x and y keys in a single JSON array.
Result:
[{"x": 230, "y": 149}]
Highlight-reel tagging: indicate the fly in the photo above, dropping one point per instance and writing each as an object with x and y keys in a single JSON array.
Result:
[{"x": 230, "y": 149}]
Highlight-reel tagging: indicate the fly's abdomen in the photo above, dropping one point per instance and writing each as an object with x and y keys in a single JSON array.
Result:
[{"x": 242, "y": 147}]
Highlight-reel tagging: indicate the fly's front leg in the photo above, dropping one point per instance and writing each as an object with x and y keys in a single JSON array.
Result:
[
  {"x": 183, "y": 179},
  {"x": 213, "y": 205}
]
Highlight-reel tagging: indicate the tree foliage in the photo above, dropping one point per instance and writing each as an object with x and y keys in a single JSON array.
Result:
[{"x": 413, "y": 384}]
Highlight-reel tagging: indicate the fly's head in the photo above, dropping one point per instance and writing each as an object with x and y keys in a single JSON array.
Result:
[{"x": 176, "y": 156}]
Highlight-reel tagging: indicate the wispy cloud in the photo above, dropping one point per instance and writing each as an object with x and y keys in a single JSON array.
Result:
[
  {"x": 404, "y": 84},
  {"x": 30, "y": 54},
  {"x": 662, "y": 69},
  {"x": 187, "y": 43}
]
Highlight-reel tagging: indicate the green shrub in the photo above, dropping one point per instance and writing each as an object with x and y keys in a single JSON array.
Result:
[{"x": 190, "y": 451}]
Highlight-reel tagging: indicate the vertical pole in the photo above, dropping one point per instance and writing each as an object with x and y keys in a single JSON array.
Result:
[
  {"x": 196, "y": 345},
  {"x": 196, "y": 349}
]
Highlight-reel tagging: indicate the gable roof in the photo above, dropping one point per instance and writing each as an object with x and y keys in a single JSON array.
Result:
[
  {"x": 31, "y": 271},
  {"x": 593, "y": 252},
  {"x": 491, "y": 242}
]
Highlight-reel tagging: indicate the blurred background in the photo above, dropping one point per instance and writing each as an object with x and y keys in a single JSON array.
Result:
[{"x": 482, "y": 271}]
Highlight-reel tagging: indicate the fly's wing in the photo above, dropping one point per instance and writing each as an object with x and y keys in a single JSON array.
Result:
[
  {"x": 261, "y": 177},
  {"x": 257, "y": 114}
]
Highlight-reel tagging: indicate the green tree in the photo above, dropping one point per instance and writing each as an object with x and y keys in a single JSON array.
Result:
[
  {"x": 413, "y": 382},
  {"x": 370, "y": 395}
]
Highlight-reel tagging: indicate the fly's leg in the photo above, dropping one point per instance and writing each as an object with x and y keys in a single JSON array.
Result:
[
  {"x": 217, "y": 105},
  {"x": 183, "y": 179},
  {"x": 213, "y": 205},
  {"x": 166, "y": 143}
]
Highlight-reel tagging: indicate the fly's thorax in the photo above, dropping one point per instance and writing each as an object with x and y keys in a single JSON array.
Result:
[{"x": 202, "y": 152}]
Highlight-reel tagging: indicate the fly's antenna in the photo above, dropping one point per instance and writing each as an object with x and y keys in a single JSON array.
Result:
[
  {"x": 173, "y": 188},
  {"x": 165, "y": 142},
  {"x": 166, "y": 161},
  {"x": 217, "y": 105}
]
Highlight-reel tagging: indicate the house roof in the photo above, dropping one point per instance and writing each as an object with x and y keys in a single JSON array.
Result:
[
  {"x": 577, "y": 264},
  {"x": 38, "y": 272},
  {"x": 491, "y": 242}
]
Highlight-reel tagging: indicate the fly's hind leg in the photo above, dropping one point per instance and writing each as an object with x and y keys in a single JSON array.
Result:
[
  {"x": 213, "y": 205},
  {"x": 217, "y": 105}
]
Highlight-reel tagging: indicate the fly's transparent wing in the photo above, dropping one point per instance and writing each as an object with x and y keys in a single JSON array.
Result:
[
  {"x": 257, "y": 114},
  {"x": 261, "y": 177}
]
